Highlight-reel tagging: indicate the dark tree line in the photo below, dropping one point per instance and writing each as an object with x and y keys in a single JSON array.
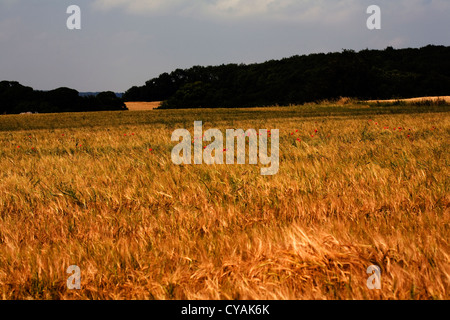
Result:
[
  {"x": 368, "y": 74},
  {"x": 16, "y": 98}
]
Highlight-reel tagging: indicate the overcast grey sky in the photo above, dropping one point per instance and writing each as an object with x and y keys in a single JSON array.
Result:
[{"x": 127, "y": 42}]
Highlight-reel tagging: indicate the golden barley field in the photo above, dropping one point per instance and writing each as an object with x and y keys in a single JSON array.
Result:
[{"x": 358, "y": 185}]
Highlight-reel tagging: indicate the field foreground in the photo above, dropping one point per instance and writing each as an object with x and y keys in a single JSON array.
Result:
[{"x": 357, "y": 186}]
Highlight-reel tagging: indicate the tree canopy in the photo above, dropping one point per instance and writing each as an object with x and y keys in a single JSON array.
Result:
[
  {"x": 16, "y": 98},
  {"x": 367, "y": 74}
]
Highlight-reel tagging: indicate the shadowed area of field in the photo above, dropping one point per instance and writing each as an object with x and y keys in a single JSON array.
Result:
[{"x": 175, "y": 118}]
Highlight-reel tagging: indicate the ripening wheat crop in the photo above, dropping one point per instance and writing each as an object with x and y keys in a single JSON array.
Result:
[{"x": 356, "y": 187}]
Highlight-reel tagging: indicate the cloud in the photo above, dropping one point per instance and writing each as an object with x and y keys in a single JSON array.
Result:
[
  {"x": 308, "y": 10},
  {"x": 141, "y": 6},
  {"x": 321, "y": 11},
  {"x": 8, "y": 2},
  {"x": 9, "y": 27}
]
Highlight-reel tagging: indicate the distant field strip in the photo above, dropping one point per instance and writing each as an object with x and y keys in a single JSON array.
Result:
[
  {"x": 142, "y": 106},
  {"x": 445, "y": 98},
  {"x": 358, "y": 185}
]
